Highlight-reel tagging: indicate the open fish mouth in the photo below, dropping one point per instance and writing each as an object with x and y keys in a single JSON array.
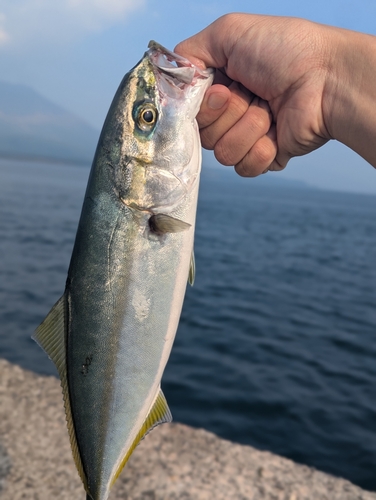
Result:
[{"x": 174, "y": 69}]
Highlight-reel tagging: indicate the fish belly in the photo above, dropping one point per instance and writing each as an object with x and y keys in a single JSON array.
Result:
[{"x": 125, "y": 291}]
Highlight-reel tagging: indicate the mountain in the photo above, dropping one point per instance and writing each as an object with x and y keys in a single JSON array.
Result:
[{"x": 32, "y": 126}]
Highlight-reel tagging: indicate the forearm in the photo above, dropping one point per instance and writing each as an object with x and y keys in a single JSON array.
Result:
[{"x": 349, "y": 100}]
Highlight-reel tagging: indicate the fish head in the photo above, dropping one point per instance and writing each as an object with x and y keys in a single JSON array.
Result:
[
  {"x": 161, "y": 150},
  {"x": 181, "y": 84}
]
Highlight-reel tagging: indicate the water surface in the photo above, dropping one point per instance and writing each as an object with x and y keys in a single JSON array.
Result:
[{"x": 277, "y": 342}]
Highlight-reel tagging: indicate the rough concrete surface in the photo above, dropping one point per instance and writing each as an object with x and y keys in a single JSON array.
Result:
[{"x": 174, "y": 462}]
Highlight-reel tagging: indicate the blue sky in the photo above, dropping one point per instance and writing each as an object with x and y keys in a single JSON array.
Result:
[{"x": 75, "y": 52}]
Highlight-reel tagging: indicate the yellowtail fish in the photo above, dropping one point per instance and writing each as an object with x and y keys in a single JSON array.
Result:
[{"x": 111, "y": 333}]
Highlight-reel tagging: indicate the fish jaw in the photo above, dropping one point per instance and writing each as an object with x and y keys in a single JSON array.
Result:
[{"x": 179, "y": 79}]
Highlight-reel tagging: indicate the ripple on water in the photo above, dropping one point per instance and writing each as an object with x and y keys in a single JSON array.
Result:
[{"x": 277, "y": 342}]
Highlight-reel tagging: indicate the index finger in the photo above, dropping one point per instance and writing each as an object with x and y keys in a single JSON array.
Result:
[{"x": 215, "y": 103}]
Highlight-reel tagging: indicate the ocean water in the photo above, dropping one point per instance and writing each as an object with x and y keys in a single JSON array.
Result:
[{"x": 276, "y": 347}]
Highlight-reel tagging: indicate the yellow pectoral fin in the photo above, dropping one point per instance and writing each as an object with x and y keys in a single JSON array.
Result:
[
  {"x": 50, "y": 335},
  {"x": 159, "y": 414}
]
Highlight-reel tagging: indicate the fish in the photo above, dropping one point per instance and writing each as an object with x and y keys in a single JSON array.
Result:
[{"x": 111, "y": 332}]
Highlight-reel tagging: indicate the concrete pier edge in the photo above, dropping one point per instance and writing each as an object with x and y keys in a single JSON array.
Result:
[{"x": 174, "y": 462}]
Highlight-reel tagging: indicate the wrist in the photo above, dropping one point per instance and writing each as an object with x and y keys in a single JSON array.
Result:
[{"x": 349, "y": 99}]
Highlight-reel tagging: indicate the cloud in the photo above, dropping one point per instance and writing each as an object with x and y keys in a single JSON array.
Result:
[
  {"x": 96, "y": 14},
  {"x": 27, "y": 23},
  {"x": 108, "y": 8},
  {"x": 4, "y": 37}
]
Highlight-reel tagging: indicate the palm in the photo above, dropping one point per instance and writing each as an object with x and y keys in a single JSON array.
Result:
[{"x": 289, "y": 82}]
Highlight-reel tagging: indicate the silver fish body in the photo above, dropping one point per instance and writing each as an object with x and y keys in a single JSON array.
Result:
[{"x": 111, "y": 333}]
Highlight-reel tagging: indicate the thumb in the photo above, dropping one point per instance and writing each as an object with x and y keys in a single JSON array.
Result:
[{"x": 207, "y": 48}]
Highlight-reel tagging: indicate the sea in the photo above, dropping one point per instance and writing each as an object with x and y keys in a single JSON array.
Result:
[{"x": 276, "y": 346}]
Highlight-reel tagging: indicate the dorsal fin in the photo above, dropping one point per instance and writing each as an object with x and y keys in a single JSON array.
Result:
[
  {"x": 159, "y": 414},
  {"x": 51, "y": 337}
]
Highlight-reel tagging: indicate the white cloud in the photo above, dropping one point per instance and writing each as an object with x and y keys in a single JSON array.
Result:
[
  {"x": 4, "y": 37},
  {"x": 109, "y": 8},
  {"x": 97, "y": 14},
  {"x": 25, "y": 23}
]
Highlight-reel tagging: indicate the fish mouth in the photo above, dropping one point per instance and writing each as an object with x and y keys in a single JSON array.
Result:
[{"x": 176, "y": 70}]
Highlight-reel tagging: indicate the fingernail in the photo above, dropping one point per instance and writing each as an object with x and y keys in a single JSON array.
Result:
[{"x": 217, "y": 101}]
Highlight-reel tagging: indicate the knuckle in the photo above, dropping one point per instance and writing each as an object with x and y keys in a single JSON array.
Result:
[
  {"x": 238, "y": 106},
  {"x": 259, "y": 120},
  {"x": 223, "y": 153},
  {"x": 208, "y": 140},
  {"x": 228, "y": 19},
  {"x": 245, "y": 169},
  {"x": 263, "y": 153},
  {"x": 204, "y": 118},
  {"x": 276, "y": 166},
  {"x": 240, "y": 170}
]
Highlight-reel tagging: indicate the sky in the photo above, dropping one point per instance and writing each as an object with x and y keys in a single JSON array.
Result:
[{"x": 75, "y": 53}]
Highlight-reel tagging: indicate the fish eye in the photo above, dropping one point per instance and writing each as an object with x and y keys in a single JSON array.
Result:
[{"x": 147, "y": 116}]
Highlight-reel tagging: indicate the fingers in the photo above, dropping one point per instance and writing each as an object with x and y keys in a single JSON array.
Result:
[
  {"x": 232, "y": 120},
  {"x": 214, "y": 123},
  {"x": 238, "y": 126},
  {"x": 261, "y": 156},
  {"x": 216, "y": 99},
  {"x": 253, "y": 125},
  {"x": 214, "y": 105}
]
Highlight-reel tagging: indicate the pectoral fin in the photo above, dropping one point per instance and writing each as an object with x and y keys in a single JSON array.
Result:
[
  {"x": 159, "y": 414},
  {"x": 50, "y": 335},
  {"x": 162, "y": 224}
]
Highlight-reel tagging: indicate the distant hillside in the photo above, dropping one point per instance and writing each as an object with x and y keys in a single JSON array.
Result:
[{"x": 31, "y": 126}]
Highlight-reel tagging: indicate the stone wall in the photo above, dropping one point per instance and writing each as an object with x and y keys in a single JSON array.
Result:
[{"x": 174, "y": 462}]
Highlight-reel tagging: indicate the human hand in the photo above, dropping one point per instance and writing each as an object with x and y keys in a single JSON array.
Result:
[
  {"x": 238, "y": 126},
  {"x": 291, "y": 96}
]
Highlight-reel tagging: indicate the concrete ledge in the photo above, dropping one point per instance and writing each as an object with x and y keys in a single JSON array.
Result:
[{"x": 174, "y": 462}]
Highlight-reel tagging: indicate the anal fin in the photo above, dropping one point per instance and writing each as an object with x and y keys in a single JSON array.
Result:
[
  {"x": 51, "y": 337},
  {"x": 159, "y": 414}
]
